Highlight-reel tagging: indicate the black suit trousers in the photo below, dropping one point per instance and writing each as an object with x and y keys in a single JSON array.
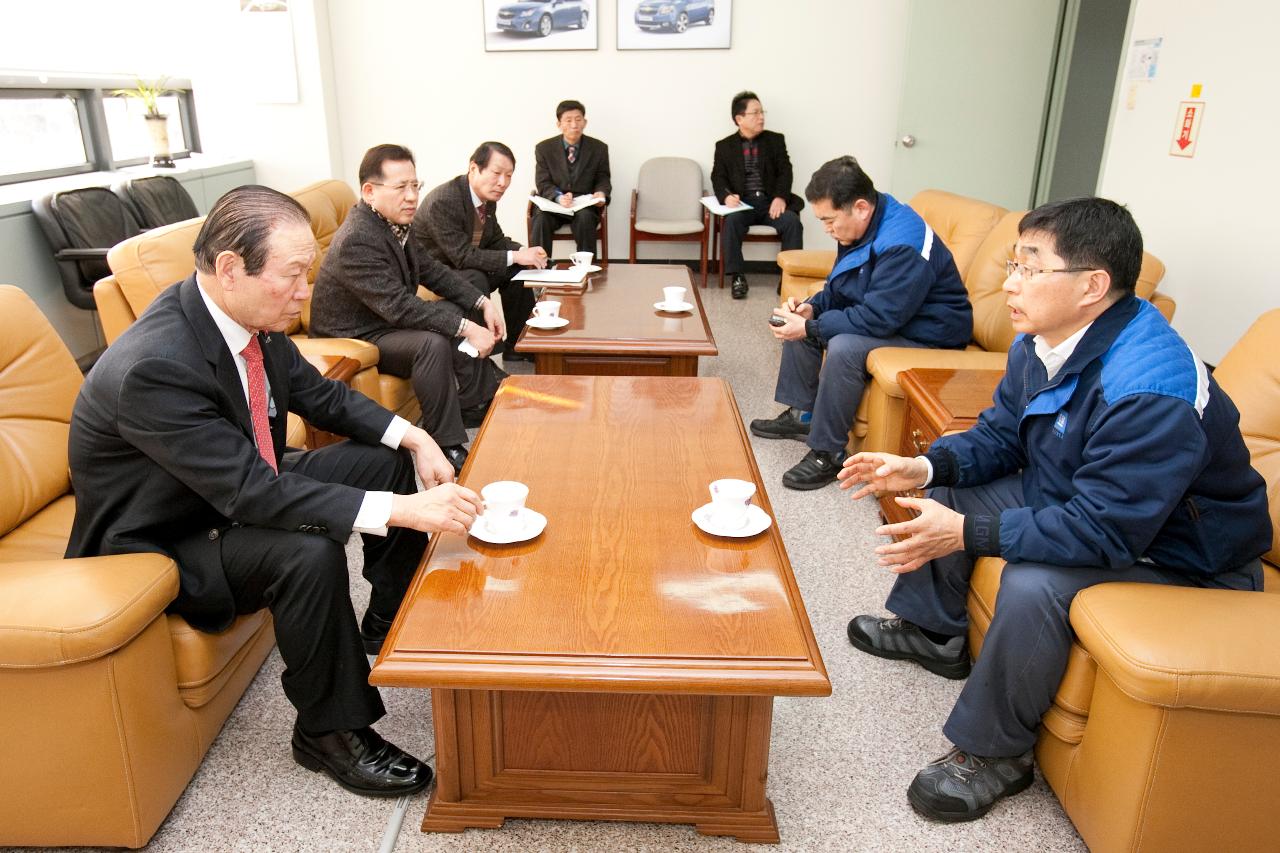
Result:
[
  {"x": 735, "y": 225},
  {"x": 583, "y": 224},
  {"x": 303, "y": 579},
  {"x": 517, "y": 300}
]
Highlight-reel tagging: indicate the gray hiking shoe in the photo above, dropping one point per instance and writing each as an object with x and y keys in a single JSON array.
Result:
[
  {"x": 961, "y": 786},
  {"x": 898, "y": 639}
]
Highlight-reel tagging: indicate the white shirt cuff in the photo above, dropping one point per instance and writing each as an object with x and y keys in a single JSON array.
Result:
[
  {"x": 928, "y": 467},
  {"x": 511, "y": 257},
  {"x": 395, "y": 432},
  {"x": 375, "y": 512}
]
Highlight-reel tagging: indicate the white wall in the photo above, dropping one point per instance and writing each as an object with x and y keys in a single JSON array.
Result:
[
  {"x": 291, "y": 144},
  {"x": 828, "y": 71},
  {"x": 1208, "y": 218}
]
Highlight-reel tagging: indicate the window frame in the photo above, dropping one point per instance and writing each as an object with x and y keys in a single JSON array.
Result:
[{"x": 88, "y": 94}]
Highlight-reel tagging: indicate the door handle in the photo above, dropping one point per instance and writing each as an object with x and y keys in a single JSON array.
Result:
[{"x": 907, "y": 140}]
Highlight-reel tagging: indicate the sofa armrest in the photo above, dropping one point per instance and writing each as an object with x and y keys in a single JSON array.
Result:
[
  {"x": 885, "y": 363},
  {"x": 57, "y": 612},
  {"x": 362, "y": 351},
  {"x": 1184, "y": 647}
]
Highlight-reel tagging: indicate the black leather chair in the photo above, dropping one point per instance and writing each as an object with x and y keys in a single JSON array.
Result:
[
  {"x": 157, "y": 200},
  {"x": 81, "y": 225}
]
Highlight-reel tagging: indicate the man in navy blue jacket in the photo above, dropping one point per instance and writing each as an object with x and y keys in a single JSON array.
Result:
[
  {"x": 894, "y": 285},
  {"x": 1110, "y": 454}
]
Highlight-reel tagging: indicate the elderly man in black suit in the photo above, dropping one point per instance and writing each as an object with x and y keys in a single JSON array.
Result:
[
  {"x": 570, "y": 166},
  {"x": 367, "y": 288},
  {"x": 457, "y": 225},
  {"x": 177, "y": 447},
  {"x": 752, "y": 166}
]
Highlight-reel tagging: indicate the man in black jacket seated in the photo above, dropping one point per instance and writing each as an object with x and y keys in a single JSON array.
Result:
[
  {"x": 177, "y": 447},
  {"x": 752, "y": 166},
  {"x": 367, "y": 288},
  {"x": 569, "y": 166}
]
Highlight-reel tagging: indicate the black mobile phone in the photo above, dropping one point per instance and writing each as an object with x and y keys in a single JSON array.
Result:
[{"x": 775, "y": 320}]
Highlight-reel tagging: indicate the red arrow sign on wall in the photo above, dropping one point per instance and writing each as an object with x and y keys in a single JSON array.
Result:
[{"x": 1187, "y": 128}]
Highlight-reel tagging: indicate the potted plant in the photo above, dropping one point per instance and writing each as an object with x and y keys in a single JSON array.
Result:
[{"x": 150, "y": 92}]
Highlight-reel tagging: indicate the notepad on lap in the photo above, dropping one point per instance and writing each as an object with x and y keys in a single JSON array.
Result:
[
  {"x": 556, "y": 207},
  {"x": 711, "y": 204}
]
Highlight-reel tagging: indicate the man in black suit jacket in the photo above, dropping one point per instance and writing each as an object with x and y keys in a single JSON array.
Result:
[
  {"x": 367, "y": 288},
  {"x": 569, "y": 166},
  {"x": 177, "y": 447},
  {"x": 752, "y": 166},
  {"x": 457, "y": 225}
]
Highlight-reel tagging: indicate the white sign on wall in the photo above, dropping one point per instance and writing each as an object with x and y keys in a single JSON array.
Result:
[{"x": 1187, "y": 129}]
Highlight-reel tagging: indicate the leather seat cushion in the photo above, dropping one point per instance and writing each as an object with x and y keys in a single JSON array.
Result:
[
  {"x": 808, "y": 263},
  {"x": 205, "y": 660},
  {"x": 43, "y": 536}
]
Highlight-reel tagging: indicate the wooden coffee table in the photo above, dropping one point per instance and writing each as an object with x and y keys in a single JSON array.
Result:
[
  {"x": 622, "y": 665},
  {"x": 938, "y": 401},
  {"x": 614, "y": 330}
]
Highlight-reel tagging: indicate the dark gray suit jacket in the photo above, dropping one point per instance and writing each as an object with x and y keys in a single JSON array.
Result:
[
  {"x": 590, "y": 173},
  {"x": 163, "y": 458},
  {"x": 729, "y": 169},
  {"x": 443, "y": 224},
  {"x": 367, "y": 284}
]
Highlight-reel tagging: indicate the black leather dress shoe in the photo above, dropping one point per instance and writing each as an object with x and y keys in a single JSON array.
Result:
[
  {"x": 457, "y": 456},
  {"x": 373, "y": 631},
  {"x": 815, "y": 470},
  {"x": 510, "y": 357},
  {"x": 474, "y": 416},
  {"x": 739, "y": 286},
  {"x": 362, "y": 762}
]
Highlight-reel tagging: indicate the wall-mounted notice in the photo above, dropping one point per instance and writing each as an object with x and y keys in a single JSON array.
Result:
[
  {"x": 1186, "y": 129},
  {"x": 1144, "y": 56}
]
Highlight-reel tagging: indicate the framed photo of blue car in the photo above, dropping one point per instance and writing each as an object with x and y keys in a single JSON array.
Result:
[
  {"x": 540, "y": 25},
  {"x": 674, "y": 24}
]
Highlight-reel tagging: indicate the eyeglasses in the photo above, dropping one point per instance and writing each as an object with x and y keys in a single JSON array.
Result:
[
  {"x": 1024, "y": 272},
  {"x": 400, "y": 189},
  {"x": 754, "y": 113}
]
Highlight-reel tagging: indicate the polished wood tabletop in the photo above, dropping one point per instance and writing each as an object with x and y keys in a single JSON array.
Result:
[
  {"x": 614, "y": 315},
  {"x": 621, "y": 592}
]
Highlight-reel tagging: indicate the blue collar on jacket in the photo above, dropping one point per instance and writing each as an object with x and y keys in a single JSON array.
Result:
[{"x": 886, "y": 228}]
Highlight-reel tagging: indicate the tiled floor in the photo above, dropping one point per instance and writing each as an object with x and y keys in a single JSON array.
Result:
[{"x": 839, "y": 766}]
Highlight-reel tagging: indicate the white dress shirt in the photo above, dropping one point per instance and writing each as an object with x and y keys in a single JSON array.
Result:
[
  {"x": 375, "y": 508},
  {"x": 475, "y": 202}
]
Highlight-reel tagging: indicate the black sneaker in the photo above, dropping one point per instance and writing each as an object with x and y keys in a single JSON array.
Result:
[
  {"x": 961, "y": 786},
  {"x": 785, "y": 425},
  {"x": 898, "y": 639},
  {"x": 815, "y": 470},
  {"x": 739, "y": 286}
]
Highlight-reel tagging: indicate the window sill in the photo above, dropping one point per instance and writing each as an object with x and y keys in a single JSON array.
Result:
[{"x": 17, "y": 198}]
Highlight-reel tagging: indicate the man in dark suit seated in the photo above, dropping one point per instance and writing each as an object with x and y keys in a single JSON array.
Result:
[
  {"x": 367, "y": 288},
  {"x": 752, "y": 166},
  {"x": 177, "y": 447},
  {"x": 570, "y": 166},
  {"x": 457, "y": 225}
]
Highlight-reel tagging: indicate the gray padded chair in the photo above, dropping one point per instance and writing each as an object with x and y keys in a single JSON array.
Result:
[{"x": 665, "y": 206}]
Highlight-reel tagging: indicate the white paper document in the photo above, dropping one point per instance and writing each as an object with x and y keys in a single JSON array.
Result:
[
  {"x": 719, "y": 209},
  {"x": 572, "y": 275},
  {"x": 556, "y": 207}
]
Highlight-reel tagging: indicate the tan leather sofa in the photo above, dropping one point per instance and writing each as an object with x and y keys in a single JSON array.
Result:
[
  {"x": 980, "y": 237},
  {"x": 107, "y": 704},
  {"x": 1165, "y": 733}
]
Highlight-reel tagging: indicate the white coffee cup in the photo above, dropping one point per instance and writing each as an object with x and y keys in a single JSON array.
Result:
[
  {"x": 504, "y": 506},
  {"x": 548, "y": 309},
  {"x": 581, "y": 259},
  {"x": 730, "y": 502},
  {"x": 673, "y": 296}
]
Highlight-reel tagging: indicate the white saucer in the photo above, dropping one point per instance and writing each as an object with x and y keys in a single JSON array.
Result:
[
  {"x": 534, "y": 523},
  {"x": 588, "y": 269},
  {"x": 757, "y": 521},
  {"x": 547, "y": 322},
  {"x": 674, "y": 308}
]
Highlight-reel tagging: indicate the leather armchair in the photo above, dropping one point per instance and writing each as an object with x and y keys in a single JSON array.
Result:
[
  {"x": 980, "y": 237},
  {"x": 1165, "y": 731},
  {"x": 108, "y": 704}
]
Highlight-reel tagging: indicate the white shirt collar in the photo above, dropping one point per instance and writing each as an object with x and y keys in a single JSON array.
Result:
[
  {"x": 1055, "y": 357},
  {"x": 475, "y": 199},
  {"x": 236, "y": 336}
]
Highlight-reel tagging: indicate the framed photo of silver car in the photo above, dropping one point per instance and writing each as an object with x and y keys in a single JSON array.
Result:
[
  {"x": 674, "y": 24},
  {"x": 540, "y": 25}
]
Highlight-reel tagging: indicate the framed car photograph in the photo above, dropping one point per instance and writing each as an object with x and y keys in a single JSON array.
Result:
[
  {"x": 540, "y": 25},
  {"x": 674, "y": 24}
]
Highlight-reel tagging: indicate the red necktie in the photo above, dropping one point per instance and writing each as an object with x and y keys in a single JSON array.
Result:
[
  {"x": 572, "y": 154},
  {"x": 480, "y": 212},
  {"x": 258, "y": 401}
]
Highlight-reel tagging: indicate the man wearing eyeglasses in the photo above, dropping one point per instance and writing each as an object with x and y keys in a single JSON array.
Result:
[
  {"x": 570, "y": 166},
  {"x": 458, "y": 226},
  {"x": 751, "y": 167},
  {"x": 367, "y": 289},
  {"x": 1110, "y": 454}
]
